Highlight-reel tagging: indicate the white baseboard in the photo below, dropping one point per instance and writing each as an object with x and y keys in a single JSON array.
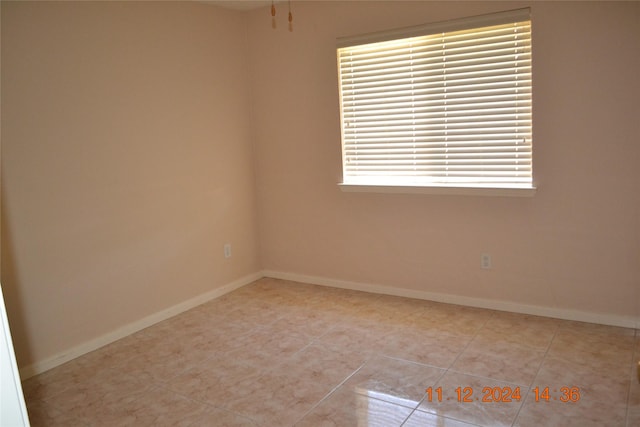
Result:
[
  {"x": 94, "y": 344},
  {"x": 558, "y": 313}
]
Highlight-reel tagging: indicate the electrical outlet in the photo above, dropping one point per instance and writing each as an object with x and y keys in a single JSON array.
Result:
[
  {"x": 485, "y": 261},
  {"x": 227, "y": 250}
]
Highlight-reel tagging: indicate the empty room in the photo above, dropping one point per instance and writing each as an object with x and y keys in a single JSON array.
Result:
[{"x": 320, "y": 213}]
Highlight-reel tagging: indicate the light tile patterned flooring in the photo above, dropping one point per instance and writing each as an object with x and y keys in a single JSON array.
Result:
[{"x": 278, "y": 353}]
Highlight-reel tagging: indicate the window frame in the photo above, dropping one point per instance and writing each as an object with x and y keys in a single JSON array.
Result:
[{"x": 465, "y": 188}]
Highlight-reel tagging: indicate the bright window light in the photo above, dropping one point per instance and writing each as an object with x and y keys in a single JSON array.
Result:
[{"x": 446, "y": 104}]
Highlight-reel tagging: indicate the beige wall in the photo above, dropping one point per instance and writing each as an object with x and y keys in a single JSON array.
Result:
[
  {"x": 574, "y": 246},
  {"x": 131, "y": 134},
  {"x": 126, "y": 164}
]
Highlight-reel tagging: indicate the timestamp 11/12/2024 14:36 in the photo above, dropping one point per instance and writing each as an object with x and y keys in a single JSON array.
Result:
[{"x": 505, "y": 394}]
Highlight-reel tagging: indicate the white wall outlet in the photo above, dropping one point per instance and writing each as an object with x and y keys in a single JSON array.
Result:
[
  {"x": 485, "y": 261},
  {"x": 227, "y": 250}
]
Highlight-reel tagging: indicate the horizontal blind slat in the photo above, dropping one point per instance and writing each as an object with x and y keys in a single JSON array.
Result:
[{"x": 445, "y": 107}]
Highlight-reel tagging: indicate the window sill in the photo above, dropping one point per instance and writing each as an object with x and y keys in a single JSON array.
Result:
[{"x": 449, "y": 191}]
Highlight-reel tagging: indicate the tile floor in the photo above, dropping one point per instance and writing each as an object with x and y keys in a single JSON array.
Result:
[{"x": 277, "y": 353}]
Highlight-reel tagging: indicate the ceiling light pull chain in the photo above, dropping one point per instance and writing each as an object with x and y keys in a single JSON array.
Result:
[{"x": 274, "y": 24}]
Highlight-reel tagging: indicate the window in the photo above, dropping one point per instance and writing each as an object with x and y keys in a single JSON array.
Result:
[{"x": 441, "y": 105}]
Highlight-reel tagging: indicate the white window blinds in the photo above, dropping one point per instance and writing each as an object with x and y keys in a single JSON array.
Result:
[{"x": 448, "y": 107}]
